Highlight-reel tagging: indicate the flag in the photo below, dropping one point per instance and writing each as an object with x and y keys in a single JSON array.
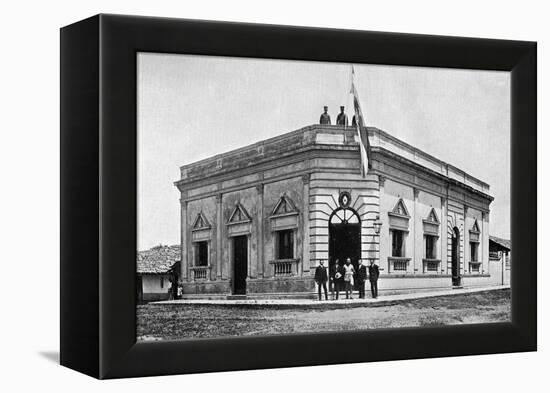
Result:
[{"x": 364, "y": 145}]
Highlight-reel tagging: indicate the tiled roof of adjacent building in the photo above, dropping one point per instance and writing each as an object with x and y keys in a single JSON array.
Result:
[
  {"x": 501, "y": 242},
  {"x": 157, "y": 260}
]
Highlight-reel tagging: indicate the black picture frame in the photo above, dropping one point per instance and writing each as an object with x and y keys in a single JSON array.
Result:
[{"x": 98, "y": 195}]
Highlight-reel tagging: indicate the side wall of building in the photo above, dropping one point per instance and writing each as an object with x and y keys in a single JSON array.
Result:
[
  {"x": 155, "y": 286},
  {"x": 420, "y": 271},
  {"x": 257, "y": 196}
]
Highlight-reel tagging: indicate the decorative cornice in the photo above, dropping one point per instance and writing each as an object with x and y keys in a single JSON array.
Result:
[
  {"x": 439, "y": 180},
  {"x": 239, "y": 209},
  {"x": 444, "y": 194},
  {"x": 302, "y": 145},
  {"x": 386, "y": 157},
  {"x": 406, "y": 216}
]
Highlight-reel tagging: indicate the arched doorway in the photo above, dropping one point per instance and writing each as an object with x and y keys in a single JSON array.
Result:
[
  {"x": 455, "y": 257},
  {"x": 344, "y": 230}
]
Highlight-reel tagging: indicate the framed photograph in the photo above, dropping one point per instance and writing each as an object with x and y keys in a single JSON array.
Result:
[{"x": 239, "y": 196}]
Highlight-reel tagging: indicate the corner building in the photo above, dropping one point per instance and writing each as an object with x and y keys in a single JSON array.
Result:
[{"x": 256, "y": 221}]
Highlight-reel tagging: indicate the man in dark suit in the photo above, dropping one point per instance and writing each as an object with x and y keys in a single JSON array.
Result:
[
  {"x": 325, "y": 117},
  {"x": 374, "y": 273},
  {"x": 321, "y": 278},
  {"x": 336, "y": 276},
  {"x": 361, "y": 278},
  {"x": 342, "y": 118}
]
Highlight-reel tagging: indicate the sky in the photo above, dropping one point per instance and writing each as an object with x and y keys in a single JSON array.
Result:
[{"x": 193, "y": 107}]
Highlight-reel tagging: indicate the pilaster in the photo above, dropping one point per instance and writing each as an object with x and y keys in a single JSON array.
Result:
[
  {"x": 443, "y": 236},
  {"x": 260, "y": 229},
  {"x": 184, "y": 266},
  {"x": 304, "y": 262},
  {"x": 466, "y": 245},
  {"x": 417, "y": 237},
  {"x": 384, "y": 235},
  {"x": 219, "y": 245}
]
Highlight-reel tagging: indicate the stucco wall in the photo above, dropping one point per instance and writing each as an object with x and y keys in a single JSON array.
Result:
[
  {"x": 483, "y": 249},
  {"x": 151, "y": 284},
  {"x": 325, "y": 188},
  {"x": 455, "y": 219},
  {"x": 248, "y": 198},
  {"x": 292, "y": 189},
  {"x": 207, "y": 207},
  {"x": 390, "y": 193},
  {"x": 258, "y": 202}
]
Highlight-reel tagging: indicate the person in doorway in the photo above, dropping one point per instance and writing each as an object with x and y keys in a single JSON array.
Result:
[
  {"x": 374, "y": 273},
  {"x": 361, "y": 278},
  {"x": 336, "y": 277},
  {"x": 349, "y": 271},
  {"x": 172, "y": 289},
  {"x": 321, "y": 278}
]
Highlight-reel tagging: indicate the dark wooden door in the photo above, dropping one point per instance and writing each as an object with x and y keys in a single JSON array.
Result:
[
  {"x": 455, "y": 257},
  {"x": 344, "y": 242},
  {"x": 240, "y": 264}
]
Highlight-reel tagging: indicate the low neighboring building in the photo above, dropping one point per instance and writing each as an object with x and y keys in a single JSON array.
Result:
[
  {"x": 499, "y": 258},
  {"x": 256, "y": 221},
  {"x": 157, "y": 269}
]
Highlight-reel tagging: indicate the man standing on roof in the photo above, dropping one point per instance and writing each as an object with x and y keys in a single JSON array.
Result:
[
  {"x": 342, "y": 119},
  {"x": 325, "y": 117}
]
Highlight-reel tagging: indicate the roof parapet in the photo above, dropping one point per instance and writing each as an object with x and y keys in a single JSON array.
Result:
[{"x": 317, "y": 136}]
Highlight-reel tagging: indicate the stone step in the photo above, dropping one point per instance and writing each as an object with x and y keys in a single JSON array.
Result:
[{"x": 236, "y": 297}]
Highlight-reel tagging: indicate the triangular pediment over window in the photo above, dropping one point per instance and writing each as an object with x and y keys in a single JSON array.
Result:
[
  {"x": 432, "y": 217},
  {"x": 400, "y": 209},
  {"x": 475, "y": 227},
  {"x": 201, "y": 222},
  {"x": 239, "y": 215},
  {"x": 284, "y": 206}
]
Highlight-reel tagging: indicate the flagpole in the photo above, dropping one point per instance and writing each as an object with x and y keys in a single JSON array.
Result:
[
  {"x": 347, "y": 99},
  {"x": 362, "y": 132}
]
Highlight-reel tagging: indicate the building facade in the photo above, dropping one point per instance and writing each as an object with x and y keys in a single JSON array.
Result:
[
  {"x": 256, "y": 221},
  {"x": 157, "y": 268},
  {"x": 500, "y": 263}
]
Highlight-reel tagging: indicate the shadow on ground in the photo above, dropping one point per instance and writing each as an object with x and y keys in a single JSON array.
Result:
[{"x": 52, "y": 356}]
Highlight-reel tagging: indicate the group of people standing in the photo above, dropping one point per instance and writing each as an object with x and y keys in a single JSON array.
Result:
[
  {"x": 341, "y": 119},
  {"x": 344, "y": 278}
]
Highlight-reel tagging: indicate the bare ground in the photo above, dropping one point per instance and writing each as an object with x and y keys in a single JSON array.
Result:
[{"x": 169, "y": 322}]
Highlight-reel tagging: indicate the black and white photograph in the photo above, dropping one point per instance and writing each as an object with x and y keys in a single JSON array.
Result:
[
  {"x": 281, "y": 197},
  {"x": 273, "y": 197}
]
